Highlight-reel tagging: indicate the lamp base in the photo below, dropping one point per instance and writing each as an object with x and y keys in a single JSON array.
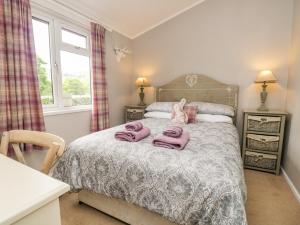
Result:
[
  {"x": 142, "y": 96},
  {"x": 263, "y": 98},
  {"x": 142, "y": 104},
  {"x": 262, "y": 108}
]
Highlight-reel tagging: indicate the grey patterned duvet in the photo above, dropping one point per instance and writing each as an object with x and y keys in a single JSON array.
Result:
[{"x": 202, "y": 184}]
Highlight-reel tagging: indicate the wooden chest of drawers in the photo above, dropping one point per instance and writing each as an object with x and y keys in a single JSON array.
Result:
[{"x": 263, "y": 136}]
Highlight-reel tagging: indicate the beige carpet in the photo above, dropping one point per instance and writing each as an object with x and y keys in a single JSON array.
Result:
[{"x": 270, "y": 202}]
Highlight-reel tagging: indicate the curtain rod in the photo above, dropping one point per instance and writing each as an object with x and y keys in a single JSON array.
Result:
[{"x": 84, "y": 15}]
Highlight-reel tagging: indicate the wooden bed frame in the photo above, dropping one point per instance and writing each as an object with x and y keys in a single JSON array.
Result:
[{"x": 193, "y": 87}]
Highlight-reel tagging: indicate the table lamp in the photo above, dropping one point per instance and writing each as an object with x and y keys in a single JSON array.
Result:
[
  {"x": 142, "y": 82},
  {"x": 264, "y": 77}
]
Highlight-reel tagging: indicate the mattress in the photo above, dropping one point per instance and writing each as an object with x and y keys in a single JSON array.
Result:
[{"x": 202, "y": 184}]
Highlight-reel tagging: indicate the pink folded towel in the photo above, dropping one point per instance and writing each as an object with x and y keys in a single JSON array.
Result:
[
  {"x": 132, "y": 136},
  {"x": 173, "y": 131},
  {"x": 170, "y": 142},
  {"x": 134, "y": 126}
]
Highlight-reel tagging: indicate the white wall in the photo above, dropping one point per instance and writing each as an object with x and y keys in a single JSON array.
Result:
[
  {"x": 292, "y": 155},
  {"x": 69, "y": 126},
  {"x": 73, "y": 125},
  {"x": 118, "y": 76},
  {"x": 228, "y": 40}
]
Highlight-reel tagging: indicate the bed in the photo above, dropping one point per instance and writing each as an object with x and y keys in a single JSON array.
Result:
[{"x": 144, "y": 185}]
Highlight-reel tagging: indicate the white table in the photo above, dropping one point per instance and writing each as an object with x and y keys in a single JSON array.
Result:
[{"x": 27, "y": 196}]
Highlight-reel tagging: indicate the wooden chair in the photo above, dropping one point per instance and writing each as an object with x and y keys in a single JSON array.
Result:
[{"x": 53, "y": 143}]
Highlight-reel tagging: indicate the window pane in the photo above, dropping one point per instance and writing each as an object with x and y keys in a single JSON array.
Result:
[
  {"x": 76, "y": 79},
  {"x": 72, "y": 38},
  {"x": 42, "y": 48}
]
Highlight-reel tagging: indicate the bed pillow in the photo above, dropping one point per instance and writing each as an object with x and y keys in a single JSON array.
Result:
[
  {"x": 159, "y": 115},
  {"x": 213, "y": 108},
  {"x": 191, "y": 112},
  {"x": 160, "y": 107},
  {"x": 213, "y": 118}
]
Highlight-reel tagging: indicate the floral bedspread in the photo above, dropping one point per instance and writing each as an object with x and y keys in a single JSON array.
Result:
[{"x": 202, "y": 184}]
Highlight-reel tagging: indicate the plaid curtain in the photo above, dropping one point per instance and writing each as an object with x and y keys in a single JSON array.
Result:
[
  {"x": 100, "y": 114},
  {"x": 20, "y": 102}
]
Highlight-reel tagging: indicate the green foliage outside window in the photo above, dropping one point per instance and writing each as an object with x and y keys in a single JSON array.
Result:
[
  {"x": 45, "y": 83},
  {"x": 76, "y": 87}
]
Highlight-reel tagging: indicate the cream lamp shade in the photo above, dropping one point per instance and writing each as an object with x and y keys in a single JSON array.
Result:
[
  {"x": 265, "y": 76},
  {"x": 142, "y": 82}
]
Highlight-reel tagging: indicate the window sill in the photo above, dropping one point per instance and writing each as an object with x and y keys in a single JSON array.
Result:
[{"x": 66, "y": 110}]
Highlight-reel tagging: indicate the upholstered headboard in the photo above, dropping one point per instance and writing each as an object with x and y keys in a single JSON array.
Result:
[{"x": 196, "y": 87}]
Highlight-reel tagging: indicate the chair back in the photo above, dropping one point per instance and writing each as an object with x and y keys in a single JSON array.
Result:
[{"x": 53, "y": 143}]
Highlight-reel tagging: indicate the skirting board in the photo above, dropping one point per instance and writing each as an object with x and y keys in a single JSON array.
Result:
[{"x": 291, "y": 184}]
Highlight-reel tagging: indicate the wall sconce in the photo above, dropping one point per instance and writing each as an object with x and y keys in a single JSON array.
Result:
[{"x": 121, "y": 53}]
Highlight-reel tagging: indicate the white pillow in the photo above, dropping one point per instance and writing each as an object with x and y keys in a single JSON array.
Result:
[
  {"x": 159, "y": 115},
  {"x": 213, "y": 118},
  {"x": 213, "y": 108},
  {"x": 160, "y": 107},
  {"x": 200, "y": 117}
]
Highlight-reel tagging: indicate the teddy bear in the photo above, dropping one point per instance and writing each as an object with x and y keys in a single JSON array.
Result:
[{"x": 179, "y": 116}]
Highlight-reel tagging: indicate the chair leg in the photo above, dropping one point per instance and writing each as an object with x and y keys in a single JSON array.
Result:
[
  {"x": 19, "y": 153},
  {"x": 50, "y": 158}
]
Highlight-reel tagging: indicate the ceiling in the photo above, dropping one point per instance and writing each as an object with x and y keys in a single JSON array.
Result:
[{"x": 131, "y": 17}]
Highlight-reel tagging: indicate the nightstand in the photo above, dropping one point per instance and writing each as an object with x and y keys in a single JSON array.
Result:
[
  {"x": 263, "y": 137},
  {"x": 134, "y": 113}
]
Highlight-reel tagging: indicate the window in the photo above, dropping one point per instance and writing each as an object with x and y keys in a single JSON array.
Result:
[
  {"x": 42, "y": 48},
  {"x": 63, "y": 61},
  {"x": 76, "y": 77},
  {"x": 72, "y": 38}
]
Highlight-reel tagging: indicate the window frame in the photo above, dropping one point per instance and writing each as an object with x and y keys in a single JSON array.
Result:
[
  {"x": 48, "y": 20},
  {"x": 56, "y": 25},
  {"x": 66, "y": 28}
]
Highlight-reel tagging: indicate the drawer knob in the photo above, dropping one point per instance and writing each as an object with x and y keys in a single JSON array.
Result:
[{"x": 258, "y": 158}]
